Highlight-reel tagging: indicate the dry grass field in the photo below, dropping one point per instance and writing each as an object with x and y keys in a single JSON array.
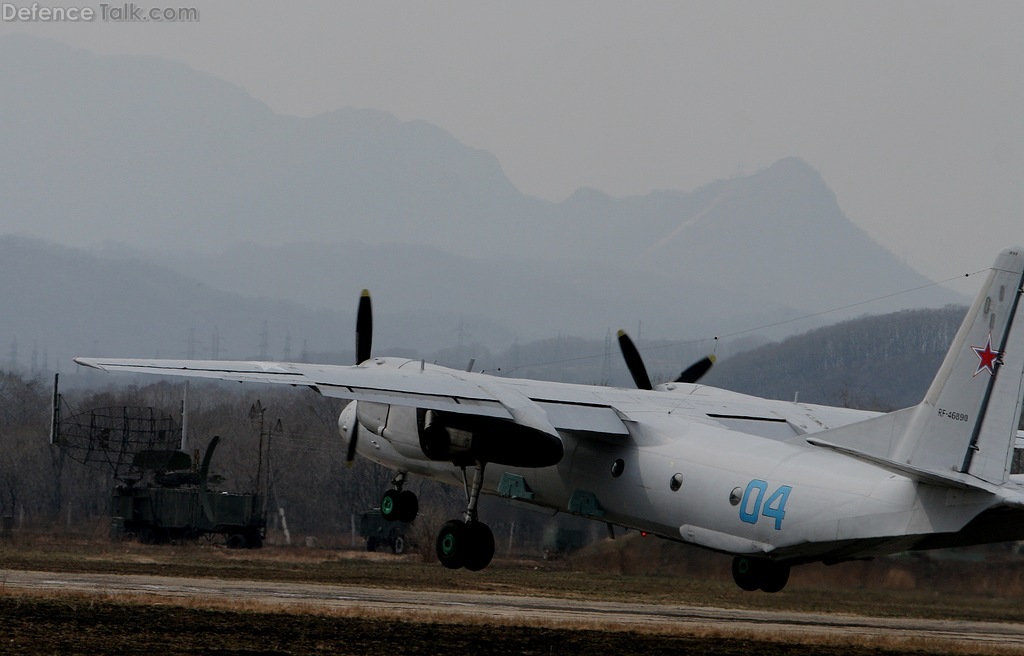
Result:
[{"x": 634, "y": 570}]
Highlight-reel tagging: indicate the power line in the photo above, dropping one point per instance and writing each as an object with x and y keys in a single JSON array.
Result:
[{"x": 718, "y": 338}]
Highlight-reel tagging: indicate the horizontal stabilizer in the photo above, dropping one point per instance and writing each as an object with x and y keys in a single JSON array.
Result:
[{"x": 942, "y": 479}]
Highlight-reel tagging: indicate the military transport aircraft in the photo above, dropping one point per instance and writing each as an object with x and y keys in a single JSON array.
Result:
[{"x": 772, "y": 483}]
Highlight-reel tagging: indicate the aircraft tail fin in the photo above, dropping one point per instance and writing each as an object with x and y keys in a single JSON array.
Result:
[{"x": 967, "y": 422}]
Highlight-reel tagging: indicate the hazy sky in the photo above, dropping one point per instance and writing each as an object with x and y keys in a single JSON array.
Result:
[{"x": 912, "y": 111}]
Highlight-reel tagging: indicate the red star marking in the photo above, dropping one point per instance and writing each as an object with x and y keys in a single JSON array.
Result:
[{"x": 989, "y": 358}]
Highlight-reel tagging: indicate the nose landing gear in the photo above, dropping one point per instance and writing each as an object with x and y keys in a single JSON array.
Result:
[{"x": 398, "y": 504}]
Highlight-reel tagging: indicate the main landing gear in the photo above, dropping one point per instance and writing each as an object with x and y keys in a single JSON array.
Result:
[
  {"x": 759, "y": 574},
  {"x": 467, "y": 542}
]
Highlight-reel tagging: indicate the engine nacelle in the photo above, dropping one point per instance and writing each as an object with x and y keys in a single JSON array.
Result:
[
  {"x": 440, "y": 442},
  {"x": 347, "y": 422},
  {"x": 464, "y": 439},
  {"x": 421, "y": 434},
  {"x": 396, "y": 423}
]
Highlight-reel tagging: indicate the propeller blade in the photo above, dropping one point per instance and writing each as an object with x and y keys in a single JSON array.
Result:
[
  {"x": 634, "y": 362},
  {"x": 364, "y": 344},
  {"x": 353, "y": 437},
  {"x": 696, "y": 370},
  {"x": 364, "y": 328},
  {"x": 204, "y": 477}
]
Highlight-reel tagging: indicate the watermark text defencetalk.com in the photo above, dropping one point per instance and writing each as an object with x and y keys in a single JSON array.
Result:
[{"x": 105, "y": 12}]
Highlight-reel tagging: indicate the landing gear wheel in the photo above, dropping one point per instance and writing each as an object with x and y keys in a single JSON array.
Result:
[
  {"x": 481, "y": 547},
  {"x": 452, "y": 544},
  {"x": 408, "y": 506},
  {"x": 401, "y": 506},
  {"x": 465, "y": 545},
  {"x": 774, "y": 577},
  {"x": 389, "y": 505},
  {"x": 746, "y": 573},
  {"x": 759, "y": 574},
  {"x": 468, "y": 543},
  {"x": 398, "y": 546}
]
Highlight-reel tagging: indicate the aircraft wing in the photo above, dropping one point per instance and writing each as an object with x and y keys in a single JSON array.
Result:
[
  {"x": 255, "y": 372},
  {"x": 431, "y": 388},
  {"x": 409, "y": 383},
  {"x": 547, "y": 406}
]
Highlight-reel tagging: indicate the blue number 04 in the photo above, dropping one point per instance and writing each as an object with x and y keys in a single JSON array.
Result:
[{"x": 751, "y": 507}]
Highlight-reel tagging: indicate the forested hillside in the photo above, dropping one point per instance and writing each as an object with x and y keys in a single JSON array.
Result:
[
  {"x": 44, "y": 487},
  {"x": 878, "y": 362}
]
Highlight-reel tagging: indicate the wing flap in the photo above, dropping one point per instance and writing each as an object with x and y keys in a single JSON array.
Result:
[
  {"x": 579, "y": 418},
  {"x": 471, "y": 406}
]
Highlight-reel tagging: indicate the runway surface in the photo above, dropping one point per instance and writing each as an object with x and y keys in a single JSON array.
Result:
[{"x": 420, "y": 605}]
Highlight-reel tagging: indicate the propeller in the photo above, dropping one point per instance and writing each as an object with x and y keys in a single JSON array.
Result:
[
  {"x": 364, "y": 328},
  {"x": 353, "y": 436},
  {"x": 364, "y": 342},
  {"x": 636, "y": 367},
  {"x": 696, "y": 371},
  {"x": 634, "y": 362}
]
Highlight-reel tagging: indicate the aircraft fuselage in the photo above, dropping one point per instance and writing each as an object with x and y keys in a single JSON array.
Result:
[{"x": 689, "y": 480}]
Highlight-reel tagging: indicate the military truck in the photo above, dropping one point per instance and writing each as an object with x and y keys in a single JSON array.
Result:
[
  {"x": 381, "y": 533},
  {"x": 179, "y": 506},
  {"x": 160, "y": 497}
]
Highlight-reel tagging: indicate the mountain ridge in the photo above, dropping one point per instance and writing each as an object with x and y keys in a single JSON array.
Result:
[{"x": 192, "y": 173}]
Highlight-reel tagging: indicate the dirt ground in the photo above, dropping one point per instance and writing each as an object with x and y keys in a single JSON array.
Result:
[
  {"x": 84, "y": 626},
  {"x": 66, "y": 623}
]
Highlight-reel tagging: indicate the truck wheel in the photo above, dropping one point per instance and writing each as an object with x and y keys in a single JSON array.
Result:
[
  {"x": 237, "y": 541},
  {"x": 398, "y": 546},
  {"x": 254, "y": 540},
  {"x": 147, "y": 535}
]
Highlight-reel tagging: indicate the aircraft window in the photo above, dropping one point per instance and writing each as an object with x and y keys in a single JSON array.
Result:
[
  {"x": 617, "y": 468},
  {"x": 676, "y": 482},
  {"x": 735, "y": 496}
]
